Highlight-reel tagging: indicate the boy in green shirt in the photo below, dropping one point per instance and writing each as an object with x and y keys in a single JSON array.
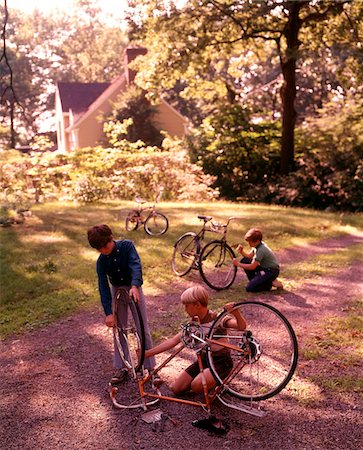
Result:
[{"x": 260, "y": 264}]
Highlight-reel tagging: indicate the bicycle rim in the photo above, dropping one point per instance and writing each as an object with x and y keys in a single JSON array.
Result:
[
  {"x": 127, "y": 395},
  {"x": 132, "y": 222},
  {"x": 272, "y": 348},
  {"x": 185, "y": 254},
  {"x": 129, "y": 337},
  {"x": 216, "y": 267},
  {"x": 156, "y": 224}
]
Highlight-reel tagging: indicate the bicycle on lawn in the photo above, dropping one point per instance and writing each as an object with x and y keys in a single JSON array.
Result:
[
  {"x": 214, "y": 261},
  {"x": 264, "y": 360},
  {"x": 155, "y": 223}
]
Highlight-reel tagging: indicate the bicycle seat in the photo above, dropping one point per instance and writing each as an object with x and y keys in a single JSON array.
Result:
[{"x": 205, "y": 218}]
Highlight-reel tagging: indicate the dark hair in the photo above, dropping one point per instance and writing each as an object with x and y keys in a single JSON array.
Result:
[
  {"x": 253, "y": 235},
  {"x": 99, "y": 236}
]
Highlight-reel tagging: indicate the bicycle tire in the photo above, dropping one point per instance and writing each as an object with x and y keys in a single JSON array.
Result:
[
  {"x": 216, "y": 265},
  {"x": 156, "y": 224},
  {"x": 129, "y": 337},
  {"x": 132, "y": 221},
  {"x": 185, "y": 254},
  {"x": 272, "y": 347}
]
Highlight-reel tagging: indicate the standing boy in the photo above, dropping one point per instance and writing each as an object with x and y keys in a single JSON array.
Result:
[
  {"x": 260, "y": 264},
  {"x": 119, "y": 266}
]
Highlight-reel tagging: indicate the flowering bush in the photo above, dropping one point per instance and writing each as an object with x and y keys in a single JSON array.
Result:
[{"x": 92, "y": 174}]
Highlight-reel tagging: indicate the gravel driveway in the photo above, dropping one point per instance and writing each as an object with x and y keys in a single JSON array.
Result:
[{"x": 53, "y": 383}]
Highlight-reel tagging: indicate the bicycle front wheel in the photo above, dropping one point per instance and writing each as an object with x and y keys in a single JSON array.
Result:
[
  {"x": 132, "y": 221},
  {"x": 186, "y": 254},
  {"x": 266, "y": 352},
  {"x": 129, "y": 333},
  {"x": 156, "y": 224},
  {"x": 216, "y": 265}
]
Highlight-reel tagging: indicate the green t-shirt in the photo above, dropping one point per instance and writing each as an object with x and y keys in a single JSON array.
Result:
[{"x": 265, "y": 256}]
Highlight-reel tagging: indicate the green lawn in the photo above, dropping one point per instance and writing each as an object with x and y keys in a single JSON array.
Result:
[{"x": 47, "y": 269}]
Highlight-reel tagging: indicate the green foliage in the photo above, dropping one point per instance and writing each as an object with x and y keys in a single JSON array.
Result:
[
  {"x": 41, "y": 143},
  {"x": 133, "y": 105},
  {"x": 91, "y": 174},
  {"x": 252, "y": 53},
  {"x": 330, "y": 166},
  {"x": 43, "y": 49},
  {"x": 241, "y": 153}
]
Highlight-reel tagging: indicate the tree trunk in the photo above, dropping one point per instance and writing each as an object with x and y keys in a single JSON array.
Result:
[
  {"x": 288, "y": 90},
  {"x": 12, "y": 128}
]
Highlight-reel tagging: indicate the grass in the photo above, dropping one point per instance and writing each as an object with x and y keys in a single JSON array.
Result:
[
  {"x": 47, "y": 269},
  {"x": 339, "y": 345},
  {"x": 322, "y": 264}
]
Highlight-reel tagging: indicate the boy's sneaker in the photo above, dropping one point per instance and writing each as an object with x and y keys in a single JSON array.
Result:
[
  {"x": 119, "y": 376},
  {"x": 157, "y": 381},
  {"x": 277, "y": 283}
]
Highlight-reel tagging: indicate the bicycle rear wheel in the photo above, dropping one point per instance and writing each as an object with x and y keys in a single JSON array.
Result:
[
  {"x": 186, "y": 254},
  {"x": 156, "y": 224},
  {"x": 267, "y": 353},
  {"x": 216, "y": 265},
  {"x": 132, "y": 221},
  {"x": 129, "y": 336}
]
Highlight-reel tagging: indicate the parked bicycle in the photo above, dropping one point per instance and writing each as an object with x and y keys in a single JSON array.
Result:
[
  {"x": 214, "y": 261},
  {"x": 155, "y": 223},
  {"x": 264, "y": 360}
]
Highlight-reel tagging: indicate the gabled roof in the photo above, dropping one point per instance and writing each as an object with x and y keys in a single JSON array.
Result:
[
  {"x": 117, "y": 83},
  {"x": 79, "y": 96}
]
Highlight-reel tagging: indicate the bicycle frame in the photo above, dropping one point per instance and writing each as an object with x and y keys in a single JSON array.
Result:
[
  {"x": 143, "y": 213},
  {"x": 209, "y": 395},
  {"x": 213, "y": 228}
]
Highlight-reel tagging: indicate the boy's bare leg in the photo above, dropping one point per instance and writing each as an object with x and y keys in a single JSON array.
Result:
[
  {"x": 182, "y": 383},
  {"x": 197, "y": 384}
]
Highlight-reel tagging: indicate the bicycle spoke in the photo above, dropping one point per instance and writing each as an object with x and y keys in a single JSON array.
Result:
[
  {"x": 216, "y": 267},
  {"x": 267, "y": 356},
  {"x": 132, "y": 221},
  {"x": 129, "y": 337},
  {"x": 185, "y": 254},
  {"x": 156, "y": 224}
]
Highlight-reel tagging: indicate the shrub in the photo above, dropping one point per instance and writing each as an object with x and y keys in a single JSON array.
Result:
[
  {"x": 240, "y": 153},
  {"x": 330, "y": 161},
  {"x": 91, "y": 174}
]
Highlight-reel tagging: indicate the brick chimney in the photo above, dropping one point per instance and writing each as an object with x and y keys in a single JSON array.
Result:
[{"x": 130, "y": 55}]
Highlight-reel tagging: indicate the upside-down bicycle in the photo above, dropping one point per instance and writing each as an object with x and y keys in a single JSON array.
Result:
[
  {"x": 155, "y": 223},
  {"x": 214, "y": 261},
  {"x": 264, "y": 360}
]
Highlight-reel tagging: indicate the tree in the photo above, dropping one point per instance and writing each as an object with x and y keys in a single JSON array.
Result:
[
  {"x": 202, "y": 41},
  {"x": 134, "y": 105},
  {"x": 42, "y": 50}
]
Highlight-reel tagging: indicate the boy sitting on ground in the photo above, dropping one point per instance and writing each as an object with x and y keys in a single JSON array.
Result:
[{"x": 195, "y": 301}]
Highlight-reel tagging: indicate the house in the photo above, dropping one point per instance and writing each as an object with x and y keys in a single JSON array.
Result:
[{"x": 79, "y": 106}]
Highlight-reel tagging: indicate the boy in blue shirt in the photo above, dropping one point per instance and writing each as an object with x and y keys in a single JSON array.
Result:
[
  {"x": 119, "y": 266},
  {"x": 260, "y": 264}
]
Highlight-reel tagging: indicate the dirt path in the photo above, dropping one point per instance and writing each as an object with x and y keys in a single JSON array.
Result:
[{"x": 53, "y": 383}]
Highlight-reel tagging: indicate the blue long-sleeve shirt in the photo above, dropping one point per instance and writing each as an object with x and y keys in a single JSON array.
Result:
[{"x": 122, "y": 267}]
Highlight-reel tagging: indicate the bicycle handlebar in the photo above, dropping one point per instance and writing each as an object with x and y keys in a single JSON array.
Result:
[{"x": 141, "y": 200}]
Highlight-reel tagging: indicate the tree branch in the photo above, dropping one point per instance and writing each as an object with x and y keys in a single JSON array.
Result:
[
  {"x": 320, "y": 16},
  {"x": 4, "y": 57}
]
